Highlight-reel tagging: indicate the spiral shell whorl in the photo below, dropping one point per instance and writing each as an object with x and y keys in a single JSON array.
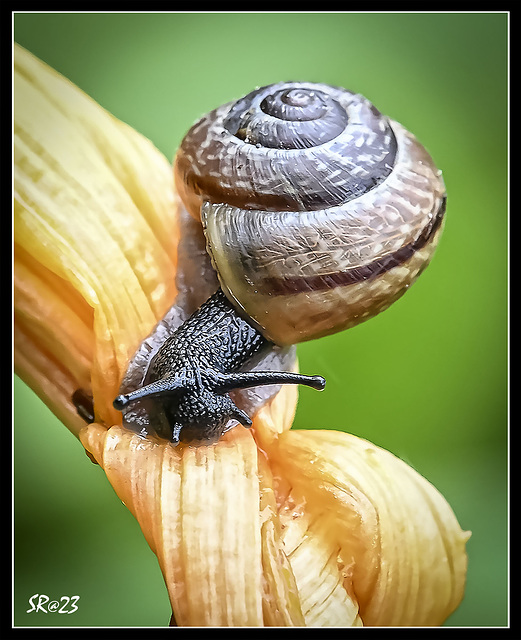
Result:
[
  {"x": 334, "y": 148},
  {"x": 295, "y": 118},
  {"x": 318, "y": 211}
]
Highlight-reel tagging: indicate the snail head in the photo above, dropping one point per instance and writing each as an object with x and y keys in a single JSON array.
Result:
[{"x": 198, "y": 404}]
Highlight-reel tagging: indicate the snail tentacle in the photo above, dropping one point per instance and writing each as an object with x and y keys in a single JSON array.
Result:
[
  {"x": 244, "y": 380},
  {"x": 170, "y": 384}
]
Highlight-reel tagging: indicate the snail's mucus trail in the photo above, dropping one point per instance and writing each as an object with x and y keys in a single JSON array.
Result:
[{"x": 287, "y": 286}]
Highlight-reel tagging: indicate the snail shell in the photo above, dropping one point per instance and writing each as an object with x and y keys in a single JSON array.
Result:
[{"x": 318, "y": 211}]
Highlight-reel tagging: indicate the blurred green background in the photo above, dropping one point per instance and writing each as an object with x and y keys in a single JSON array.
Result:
[{"x": 427, "y": 379}]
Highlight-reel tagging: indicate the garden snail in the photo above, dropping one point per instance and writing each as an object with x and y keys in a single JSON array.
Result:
[{"x": 318, "y": 213}]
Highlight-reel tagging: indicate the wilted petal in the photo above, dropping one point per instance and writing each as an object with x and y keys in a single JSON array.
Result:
[
  {"x": 314, "y": 557},
  {"x": 399, "y": 547},
  {"x": 199, "y": 510},
  {"x": 95, "y": 238},
  {"x": 307, "y": 550},
  {"x": 282, "y": 599}
]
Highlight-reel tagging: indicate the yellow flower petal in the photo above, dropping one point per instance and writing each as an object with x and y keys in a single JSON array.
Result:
[
  {"x": 314, "y": 559},
  {"x": 399, "y": 544},
  {"x": 327, "y": 530},
  {"x": 281, "y": 603},
  {"x": 199, "y": 510},
  {"x": 95, "y": 215}
]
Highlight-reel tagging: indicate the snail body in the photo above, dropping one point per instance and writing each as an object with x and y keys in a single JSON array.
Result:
[{"x": 318, "y": 213}]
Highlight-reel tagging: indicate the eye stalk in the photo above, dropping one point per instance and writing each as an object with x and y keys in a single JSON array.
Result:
[{"x": 167, "y": 386}]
